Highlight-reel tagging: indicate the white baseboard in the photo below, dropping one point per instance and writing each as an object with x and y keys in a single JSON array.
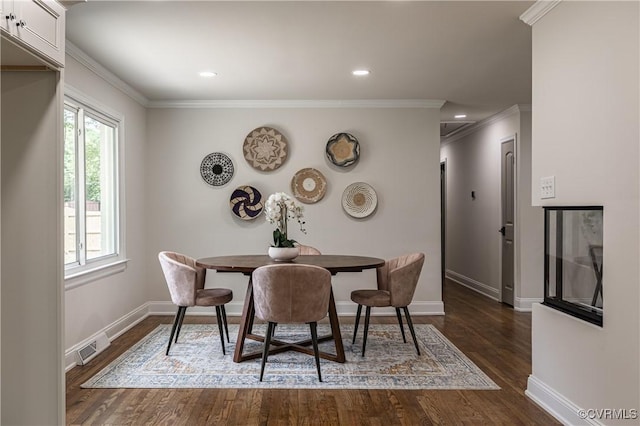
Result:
[
  {"x": 415, "y": 308},
  {"x": 477, "y": 286},
  {"x": 555, "y": 404},
  {"x": 129, "y": 320},
  {"x": 168, "y": 308},
  {"x": 343, "y": 308},
  {"x": 113, "y": 330},
  {"x": 524, "y": 304},
  {"x": 520, "y": 304}
]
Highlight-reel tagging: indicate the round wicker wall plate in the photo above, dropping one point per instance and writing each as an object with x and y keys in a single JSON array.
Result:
[
  {"x": 246, "y": 202},
  {"x": 216, "y": 169},
  {"x": 265, "y": 149},
  {"x": 308, "y": 185},
  {"x": 359, "y": 200},
  {"x": 343, "y": 149}
]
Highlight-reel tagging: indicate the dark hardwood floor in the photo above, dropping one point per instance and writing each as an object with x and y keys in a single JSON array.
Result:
[{"x": 492, "y": 335}]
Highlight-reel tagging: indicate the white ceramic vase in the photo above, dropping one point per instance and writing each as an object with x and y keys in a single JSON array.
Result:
[{"x": 283, "y": 254}]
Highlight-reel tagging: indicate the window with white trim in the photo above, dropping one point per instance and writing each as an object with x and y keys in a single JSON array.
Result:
[{"x": 91, "y": 188}]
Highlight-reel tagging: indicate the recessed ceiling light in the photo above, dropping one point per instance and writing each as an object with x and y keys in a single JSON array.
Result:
[
  {"x": 361, "y": 73},
  {"x": 460, "y": 116},
  {"x": 208, "y": 74}
]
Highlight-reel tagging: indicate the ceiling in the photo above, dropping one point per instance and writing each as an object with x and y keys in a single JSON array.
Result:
[{"x": 474, "y": 55}]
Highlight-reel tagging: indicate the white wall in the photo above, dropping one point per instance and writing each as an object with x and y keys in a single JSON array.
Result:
[
  {"x": 586, "y": 134},
  {"x": 169, "y": 206},
  {"x": 530, "y": 236},
  {"x": 32, "y": 377},
  {"x": 399, "y": 158},
  {"x": 473, "y": 252},
  {"x": 97, "y": 305}
]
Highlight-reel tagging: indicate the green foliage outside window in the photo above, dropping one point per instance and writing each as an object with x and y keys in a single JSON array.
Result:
[{"x": 93, "y": 136}]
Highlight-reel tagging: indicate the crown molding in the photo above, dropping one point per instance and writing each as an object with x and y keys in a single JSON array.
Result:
[
  {"x": 537, "y": 11},
  {"x": 76, "y": 53},
  {"x": 302, "y": 103},
  {"x": 515, "y": 109}
]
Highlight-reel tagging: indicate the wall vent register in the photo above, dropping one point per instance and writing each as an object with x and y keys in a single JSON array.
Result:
[{"x": 573, "y": 261}]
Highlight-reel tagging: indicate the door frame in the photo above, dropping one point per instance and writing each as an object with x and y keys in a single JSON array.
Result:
[{"x": 443, "y": 219}]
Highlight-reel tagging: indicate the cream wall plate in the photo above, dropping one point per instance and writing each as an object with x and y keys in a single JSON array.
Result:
[
  {"x": 359, "y": 200},
  {"x": 265, "y": 149},
  {"x": 308, "y": 185}
]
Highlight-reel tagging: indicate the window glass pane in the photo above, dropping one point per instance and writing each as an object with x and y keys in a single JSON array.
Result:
[
  {"x": 100, "y": 188},
  {"x": 70, "y": 187}
]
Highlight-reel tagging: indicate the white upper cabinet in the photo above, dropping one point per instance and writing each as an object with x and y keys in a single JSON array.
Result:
[
  {"x": 6, "y": 14},
  {"x": 36, "y": 25}
]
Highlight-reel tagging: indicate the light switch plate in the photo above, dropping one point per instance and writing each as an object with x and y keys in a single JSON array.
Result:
[{"x": 548, "y": 187}]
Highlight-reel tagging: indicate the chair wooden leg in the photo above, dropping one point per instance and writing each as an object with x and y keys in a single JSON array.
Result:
[
  {"x": 184, "y": 310},
  {"x": 175, "y": 326},
  {"x": 224, "y": 320},
  {"x": 401, "y": 326},
  {"x": 413, "y": 333},
  {"x": 355, "y": 327},
  {"x": 219, "y": 321},
  {"x": 265, "y": 350},
  {"x": 366, "y": 328},
  {"x": 314, "y": 339}
]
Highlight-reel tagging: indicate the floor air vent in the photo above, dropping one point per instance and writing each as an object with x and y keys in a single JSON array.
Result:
[{"x": 87, "y": 352}]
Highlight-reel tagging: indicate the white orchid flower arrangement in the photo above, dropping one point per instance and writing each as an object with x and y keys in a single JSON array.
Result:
[{"x": 279, "y": 208}]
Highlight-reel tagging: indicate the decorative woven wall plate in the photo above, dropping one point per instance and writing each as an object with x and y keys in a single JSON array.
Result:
[
  {"x": 308, "y": 185},
  {"x": 216, "y": 169},
  {"x": 246, "y": 202},
  {"x": 265, "y": 149},
  {"x": 359, "y": 200},
  {"x": 343, "y": 149}
]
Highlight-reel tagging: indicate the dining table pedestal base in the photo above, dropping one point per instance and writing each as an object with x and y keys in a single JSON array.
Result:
[
  {"x": 246, "y": 264},
  {"x": 278, "y": 346}
]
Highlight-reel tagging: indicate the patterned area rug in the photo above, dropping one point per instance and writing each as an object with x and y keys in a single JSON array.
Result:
[{"x": 196, "y": 361}]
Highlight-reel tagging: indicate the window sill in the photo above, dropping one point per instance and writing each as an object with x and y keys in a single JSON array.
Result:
[{"x": 87, "y": 276}]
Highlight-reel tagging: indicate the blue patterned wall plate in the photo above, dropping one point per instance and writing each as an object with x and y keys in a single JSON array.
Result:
[
  {"x": 216, "y": 169},
  {"x": 246, "y": 202},
  {"x": 343, "y": 149}
]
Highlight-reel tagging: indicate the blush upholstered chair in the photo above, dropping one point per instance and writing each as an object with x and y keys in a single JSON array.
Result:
[
  {"x": 397, "y": 281},
  {"x": 304, "y": 250},
  {"x": 186, "y": 285},
  {"x": 308, "y": 250},
  {"x": 289, "y": 294}
]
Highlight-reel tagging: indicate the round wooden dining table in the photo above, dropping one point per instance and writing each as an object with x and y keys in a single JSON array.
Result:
[{"x": 246, "y": 264}]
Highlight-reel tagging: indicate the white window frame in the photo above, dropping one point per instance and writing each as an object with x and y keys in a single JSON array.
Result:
[{"x": 95, "y": 269}]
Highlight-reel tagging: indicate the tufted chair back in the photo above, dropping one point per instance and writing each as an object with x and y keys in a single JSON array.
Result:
[
  {"x": 399, "y": 276},
  {"x": 291, "y": 293},
  {"x": 183, "y": 277}
]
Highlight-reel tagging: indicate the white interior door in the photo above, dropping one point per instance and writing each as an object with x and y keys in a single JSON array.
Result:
[{"x": 508, "y": 164}]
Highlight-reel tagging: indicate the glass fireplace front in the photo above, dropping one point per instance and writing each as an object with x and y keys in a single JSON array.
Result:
[{"x": 573, "y": 261}]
